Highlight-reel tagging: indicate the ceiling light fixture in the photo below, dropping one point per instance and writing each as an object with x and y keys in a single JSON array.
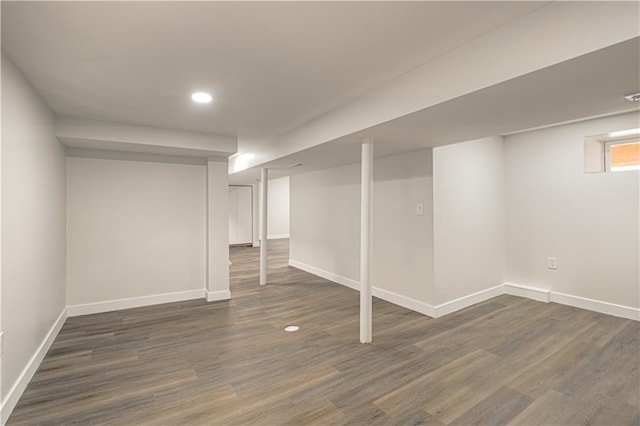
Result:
[
  {"x": 201, "y": 97},
  {"x": 624, "y": 133},
  {"x": 242, "y": 161}
]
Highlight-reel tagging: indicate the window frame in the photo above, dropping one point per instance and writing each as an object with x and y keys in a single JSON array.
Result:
[{"x": 607, "y": 152}]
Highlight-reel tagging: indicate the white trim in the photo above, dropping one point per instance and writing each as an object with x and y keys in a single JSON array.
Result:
[
  {"x": 405, "y": 302},
  {"x": 389, "y": 296},
  {"x": 466, "y": 301},
  {"x": 529, "y": 292},
  {"x": 348, "y": 282},
  {"x": 546, "y": 295},
  {"x": 631, "y": 140},
  {"x": 277, "y": 236},
  {"x": 597, "y": 306},
  {"x": 213, "y": 296},
  {"x": 534, "y": 293},
  {"x": 16, "y": 391},
  {"x": 133, "y": 302}
]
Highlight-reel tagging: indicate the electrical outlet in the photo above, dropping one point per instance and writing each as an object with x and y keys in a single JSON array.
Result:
[
  {"x": 419, "y": 209},
  {"x": 1, "y": 344},
  {"x": 552, "y": 263}
]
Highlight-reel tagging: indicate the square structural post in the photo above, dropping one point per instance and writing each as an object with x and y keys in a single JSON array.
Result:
[{"x": 218, "y": 230}]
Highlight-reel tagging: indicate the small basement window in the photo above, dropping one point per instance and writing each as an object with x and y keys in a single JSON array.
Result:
[
  {"x": 622, "y": 155},
  {"x": 612, "y": 152}
]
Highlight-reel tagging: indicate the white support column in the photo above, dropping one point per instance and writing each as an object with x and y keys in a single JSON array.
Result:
[
  {"x": 218, "y": 230},
  {"x": 366, "y": 228},
  {"x": 264, "y": 188}
]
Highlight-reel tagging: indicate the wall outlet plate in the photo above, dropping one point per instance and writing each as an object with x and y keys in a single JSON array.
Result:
[
  {"x": 1, "y": 344},
  {"x": 552, "y": 263}
]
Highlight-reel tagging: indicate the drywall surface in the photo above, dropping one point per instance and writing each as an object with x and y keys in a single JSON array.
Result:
[
  {"x": 589, "y": 222},
  {"x": 278, "y": 208},
  {"x": 240, "y": 214},
  {"x": 325, "y": 223},
  {"x": 325, "y": 220},
  {"x": 403, "y": 238},
  {"x": 33, "y": 223},
  {"x": 469, "y": 217},
  {"x": 134, "y": 229},
  {"x": 104, "y": 135}
]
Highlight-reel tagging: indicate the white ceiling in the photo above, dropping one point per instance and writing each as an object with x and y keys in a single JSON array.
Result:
[
  {"x": 271, "y": 66},
  {"x": 587, "y": 86}
]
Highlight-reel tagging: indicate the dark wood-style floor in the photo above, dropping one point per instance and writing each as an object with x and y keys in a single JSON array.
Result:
[{"x": 506, "y": 360}]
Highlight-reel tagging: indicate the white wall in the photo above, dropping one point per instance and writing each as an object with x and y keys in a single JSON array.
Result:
[
  {"x": 240, "y": 214},
  {"x": 278, "y": 209},
  {"x": 325, "y": 220},
  {"x": 403, "y": 240},
  {"x": 325, "y": 223},
  {"x": 278, "y": 193},
  {"x": 33, "y": 224},
  {"x": 469, "y": 217},
  {"x": 588, "y": 221},
  {"x": 134, "y": 229}
]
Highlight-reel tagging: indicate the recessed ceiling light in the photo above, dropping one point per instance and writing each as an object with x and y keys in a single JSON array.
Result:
[
  {"x": 624, "y": 133},
  {"x": 201, "y": 97},
  {"x": 291, "y": 328}
]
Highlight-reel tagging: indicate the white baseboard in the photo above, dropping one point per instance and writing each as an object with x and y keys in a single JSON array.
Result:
[
  {"x": 133, "y": 302},
  {"x": 13, "y": 396},
  {"x": 213, "y": 296},
  {"x": 547, "y": 295},
  {"x": 348, "y": 282},
  {"x": 596, "y": 305},
  {"x": 389, "y": 296},
  {"x": 270, "y": 237},
  {"x": 529, "y": 292},
  {"x": 534, "y": 293},
  {"x": 405, "y": 302},
  {"x": 466, "y": 301}
]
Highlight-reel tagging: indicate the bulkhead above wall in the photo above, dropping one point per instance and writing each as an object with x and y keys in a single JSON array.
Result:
[{"x": 84, "y": 133}]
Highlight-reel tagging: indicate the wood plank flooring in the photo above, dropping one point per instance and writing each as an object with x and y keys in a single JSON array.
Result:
[{"x": 506, "y": 360}]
